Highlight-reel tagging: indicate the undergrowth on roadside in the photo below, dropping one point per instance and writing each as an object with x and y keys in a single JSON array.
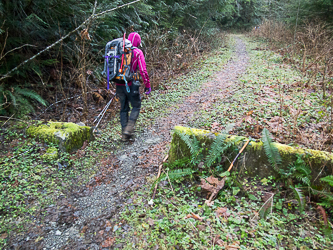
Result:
[
  {"x": 233, "y": 220},
  {"x": 271, "y": 94}
]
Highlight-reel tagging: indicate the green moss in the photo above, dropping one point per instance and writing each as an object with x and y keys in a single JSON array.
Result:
[
  {"x": 256, "y": 160},
  {"x": 69, "y": 136},
  {"x": 51, "y": 154}
]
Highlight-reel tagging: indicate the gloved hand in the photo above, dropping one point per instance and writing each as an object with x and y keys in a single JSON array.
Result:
[{"x": 147, "y": 91}]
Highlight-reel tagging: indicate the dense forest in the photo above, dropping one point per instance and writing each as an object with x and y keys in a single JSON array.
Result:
[
  {"x": 72, "y": 34},
  {"x": 232, "y": 148}
]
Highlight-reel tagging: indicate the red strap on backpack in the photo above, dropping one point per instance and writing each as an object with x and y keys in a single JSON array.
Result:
[{"x": 123, "y": 56}]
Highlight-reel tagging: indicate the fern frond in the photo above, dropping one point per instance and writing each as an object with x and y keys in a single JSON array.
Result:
[
  {"x": 328, "y": 179},
  {"x": 193, "y": 144},
  {"x": 180, "y": 163},
  {"x": 266, "y": 208},
  {"x": 300, "y": 197},
  {"x": 12, "y": 98},
  {"x": 174, "y": 175},
  {"x": 302, "y": 178},
  {"x": 271, "y": 151},
  {"x": 217, "y": 148},
  {"x": 189, "y": 142},
  {"x": 305, "y": 170},
  {"x": 30, "y": 94},
  {"x": 178, "y": 173}
]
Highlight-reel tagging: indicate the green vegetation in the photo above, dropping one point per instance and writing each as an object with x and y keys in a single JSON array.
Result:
[
  {"x": 29, "y": 181},
  {"x": 169, "y": 224}
]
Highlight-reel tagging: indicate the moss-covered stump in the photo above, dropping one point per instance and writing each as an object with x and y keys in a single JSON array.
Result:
[
  {"x": 69, "y": 136},
  {"x": 255, "y": 162}
]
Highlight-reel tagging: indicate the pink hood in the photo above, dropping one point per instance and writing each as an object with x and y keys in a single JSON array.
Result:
[{"x": 135, "y": 39}]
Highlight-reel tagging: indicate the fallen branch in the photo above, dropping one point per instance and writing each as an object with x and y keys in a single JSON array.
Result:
[
  {"x": 159, "y": 174},
  {"x": 91, "y": 18}
]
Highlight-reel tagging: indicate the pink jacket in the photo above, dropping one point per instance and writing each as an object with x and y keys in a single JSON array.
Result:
[{"x": 138, "y": 60}]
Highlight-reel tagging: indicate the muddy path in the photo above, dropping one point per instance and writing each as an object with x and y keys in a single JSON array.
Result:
[{"x": 86, "y": 221}]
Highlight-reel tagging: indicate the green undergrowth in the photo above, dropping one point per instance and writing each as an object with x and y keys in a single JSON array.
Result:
[
  {"x": 271, "y": 94},
  {"x": 248, "y": 224},
  {"x": 29, "y": 181}
]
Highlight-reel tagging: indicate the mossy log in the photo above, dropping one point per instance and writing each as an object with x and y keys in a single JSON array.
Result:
[
  {"x": 69, "y": 136},
  {"x": 255, "y": 162}
]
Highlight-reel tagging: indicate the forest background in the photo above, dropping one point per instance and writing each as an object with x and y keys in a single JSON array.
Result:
[{"x": 173, "y": 34}]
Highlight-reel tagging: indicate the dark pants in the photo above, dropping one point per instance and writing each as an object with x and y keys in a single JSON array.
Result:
[{"x": 125, "y": 99}]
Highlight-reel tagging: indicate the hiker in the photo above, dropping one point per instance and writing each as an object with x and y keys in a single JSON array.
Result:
[{"x": 133, "y": 97}]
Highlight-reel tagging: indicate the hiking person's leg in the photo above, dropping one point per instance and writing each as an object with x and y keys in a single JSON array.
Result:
[
  {"x": 124, "y": 108},
  {"x": 136, "y": 105}
]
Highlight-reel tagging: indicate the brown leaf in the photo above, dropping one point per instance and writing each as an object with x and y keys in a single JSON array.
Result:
[
  {"x": 209, "y": 203},
  {"x": 248, "y": 119},
  {"x": 249, "y": 113},
  {"x": 201, "y": 227},
  {"x": 3, "y": 236},
  {"x": 197, "y": 217},
  {"x": 194, "y": 216},
  {"x": 151, "y": 222},
  {"x": 234, "y": 246},
  {"x": 221, "y": 243},
  {"x": 221, "y": 211},
  {"x": 109, "y": 242},
  {"x": 85, "y": 35},
  {"x": 84, "y": 229},
  {"x": 209, "y": 183}
]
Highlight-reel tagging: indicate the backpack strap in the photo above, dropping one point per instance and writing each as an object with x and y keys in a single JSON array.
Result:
[{"x": 107, "y": 71}]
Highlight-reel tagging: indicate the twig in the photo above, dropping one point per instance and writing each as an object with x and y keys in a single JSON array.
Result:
[
  {"x": 232, "y": 164},
  {"x": 93, "y": 16},
  {"x": 8, "y": 120},
  {"x": 7, "y": 117},
  {"x": 159, "y": 174},
  {"x": 221, "y": 183},
  {"x": 170, "y": 183}
]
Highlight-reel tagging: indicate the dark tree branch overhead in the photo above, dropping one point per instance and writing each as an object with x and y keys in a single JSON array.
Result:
[{"x": 92, "y": 17}]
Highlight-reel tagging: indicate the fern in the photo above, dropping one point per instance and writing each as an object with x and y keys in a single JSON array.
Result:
[
  {"x": 30, "y": 94},
  {"x": 193, "y": 144},
  {"x": 219, "y": 146},
  {"x": 271, "y": 151},
  {"x": 178, "y": 173},
  {"x": 18, "y": 100},
  {"x": 299, "y": 196},
  {"x": 180, "y": 163},
  {"x": 12, "y": 98},
  {"x": 328, "y": 179},
  {"x": 174, "y": 175},
  {"x": 267, "y": 207}
]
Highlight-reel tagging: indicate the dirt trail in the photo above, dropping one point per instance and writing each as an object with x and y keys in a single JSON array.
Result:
[{"x": 135, "y": 162}]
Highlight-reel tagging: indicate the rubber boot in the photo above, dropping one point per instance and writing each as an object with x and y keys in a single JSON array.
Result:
[{"x": 129, "y": 130}]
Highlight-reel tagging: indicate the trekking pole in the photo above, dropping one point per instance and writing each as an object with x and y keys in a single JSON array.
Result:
[
  {"x": 101, "y": 115},
  {"x": 106, "y": 106}
]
